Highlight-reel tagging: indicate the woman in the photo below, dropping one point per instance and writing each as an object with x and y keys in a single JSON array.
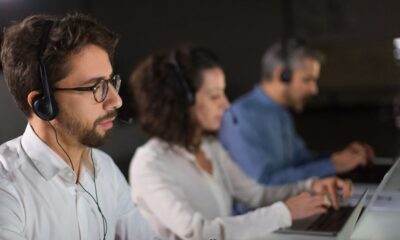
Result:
[{"x": 183, "y": 179}]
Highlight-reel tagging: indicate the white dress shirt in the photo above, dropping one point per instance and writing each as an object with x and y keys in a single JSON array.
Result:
[
  {"x": 182, "y": 201},
  {"x": 39, "y": 198}
]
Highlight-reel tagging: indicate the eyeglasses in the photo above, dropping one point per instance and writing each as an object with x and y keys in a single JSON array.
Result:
[{"x": 100, "y": 89}]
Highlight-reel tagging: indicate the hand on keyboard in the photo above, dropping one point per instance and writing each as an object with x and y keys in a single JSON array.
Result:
[
  {"x": 305, "y": 205},
  {"x": 330, "y": 187}
]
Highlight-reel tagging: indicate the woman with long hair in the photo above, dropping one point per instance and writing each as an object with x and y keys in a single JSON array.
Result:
[{"x": 184, "y": 181}]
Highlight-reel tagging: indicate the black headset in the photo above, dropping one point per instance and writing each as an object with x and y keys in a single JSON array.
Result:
[
  {"x": 286, "y": 75},
  {"x": 182, "y": 79},
  {"x": 44, "y": 105},
  {"x": 185, "y": 84}
]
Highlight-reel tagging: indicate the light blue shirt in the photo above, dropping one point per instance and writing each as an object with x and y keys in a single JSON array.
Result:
[{"x": 265, "y": 144}]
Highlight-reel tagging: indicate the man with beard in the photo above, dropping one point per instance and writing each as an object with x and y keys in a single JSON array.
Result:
[
  {"x": 258, "y": 129},
  {"x": 54, "y": 184}
]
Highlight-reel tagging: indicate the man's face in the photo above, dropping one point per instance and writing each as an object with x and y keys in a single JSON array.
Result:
[
  {"x": 303, "y": 84},
  {"x": 81, "y": 118}
]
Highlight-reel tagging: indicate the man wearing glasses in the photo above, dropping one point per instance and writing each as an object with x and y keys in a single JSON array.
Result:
[{"x": 54, "y": 184}]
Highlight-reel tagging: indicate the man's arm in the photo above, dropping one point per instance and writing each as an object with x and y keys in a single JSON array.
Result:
[
  {"x": 259, "y": 162},
  {"x": 246, "y": 156},
  {"x": 11, "y": 214},
  {"x": 309, "y": 164},
  {"x": 318, "y": 168}
]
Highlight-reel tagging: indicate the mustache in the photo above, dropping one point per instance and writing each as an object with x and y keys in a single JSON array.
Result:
[
  {"x": 109, "y": 115},
  {"x": 308, "y": 98}
]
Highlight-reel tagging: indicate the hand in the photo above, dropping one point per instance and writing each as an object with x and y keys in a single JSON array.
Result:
[
  {"x": 330, "y": 186},
  {"x": 354, "y": 155},
  {"x": 304, "y": 205}
]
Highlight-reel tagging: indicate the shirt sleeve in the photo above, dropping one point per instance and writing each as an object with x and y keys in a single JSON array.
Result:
[
  {"x": 11, "y": 214},
  {"x": 157, "y": 192},
  {"x": 258, "y": 159},
  {"x": 319, "y": 168},
  {"x": 130, "y": 222},
  {"x": 253, "y": 194},
  {"x": 310, "y": 165},
  {"x": 247, "y": 155}
]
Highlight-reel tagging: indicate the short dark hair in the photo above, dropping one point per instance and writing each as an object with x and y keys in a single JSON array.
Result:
[
  {"x": 160, "y": 98},
  {"x": 295, "y": 51},
  {"x": 68, "y": 35}
]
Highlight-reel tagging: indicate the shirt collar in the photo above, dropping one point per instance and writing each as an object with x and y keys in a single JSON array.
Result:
[
  {"x": 204, "y": 146},
  {"x": 184, "y": 152},
  {"x": 264, "y": 98},
  {"x": 46, "y": 161}
]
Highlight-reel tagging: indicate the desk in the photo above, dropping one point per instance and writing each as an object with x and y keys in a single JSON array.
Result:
[
  {"x": 382, "y": 224},
  {"x": 378, "y": 225},
  {"x": 374, "y": 224}
]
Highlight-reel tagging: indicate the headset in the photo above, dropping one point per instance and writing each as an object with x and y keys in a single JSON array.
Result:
[
  {"x": 181, "y": 78},
  {"x": 186, "y": 86},
  {"x": 44, "y": 105},
  {"x": 286, "y": 75}
]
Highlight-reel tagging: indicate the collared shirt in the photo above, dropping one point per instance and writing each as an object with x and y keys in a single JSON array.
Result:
[
  {"x": 182, "y": 201},
  {"x": 264, "y": 143},
  {"x": 39, "y": 198}
]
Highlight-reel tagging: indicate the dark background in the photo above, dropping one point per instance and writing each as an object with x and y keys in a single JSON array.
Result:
[{"x": 359, "y": 79}]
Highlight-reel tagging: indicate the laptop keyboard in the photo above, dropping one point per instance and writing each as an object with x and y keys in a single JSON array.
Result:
[{"x": 332, "y": 220}]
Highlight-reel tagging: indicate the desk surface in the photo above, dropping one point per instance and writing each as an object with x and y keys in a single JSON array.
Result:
[
  {"x": 374, "y": 224},
  {"x": 378, "y": 224}
]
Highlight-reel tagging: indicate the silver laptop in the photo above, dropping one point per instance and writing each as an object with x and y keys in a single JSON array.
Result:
[{"x": 338, "y": 223}]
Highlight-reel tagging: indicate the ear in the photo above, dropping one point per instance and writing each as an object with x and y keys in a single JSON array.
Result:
[{"x": 31, "y": 96}]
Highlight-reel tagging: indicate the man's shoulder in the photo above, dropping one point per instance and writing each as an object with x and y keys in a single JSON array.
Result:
[
  {"x": 250, "y": 109},
  {"x": 250, "y": 102},
  {"x": 10, "y": 163},
  {"x": 10, "y": 158}
]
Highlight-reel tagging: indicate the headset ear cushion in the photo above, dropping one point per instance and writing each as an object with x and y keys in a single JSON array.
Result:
[
  {"x": 286, "y": 75},
  {"x": 44, "y": 108}
]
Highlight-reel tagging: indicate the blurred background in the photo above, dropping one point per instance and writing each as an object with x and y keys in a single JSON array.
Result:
[{"x": 359, "y": 83}]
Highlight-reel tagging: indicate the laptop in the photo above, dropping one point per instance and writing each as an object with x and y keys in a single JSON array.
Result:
[
  {"x": 335, "y": 223},
  {"x": 339, "y": 223},
  {"x": 373, "y": 173}
]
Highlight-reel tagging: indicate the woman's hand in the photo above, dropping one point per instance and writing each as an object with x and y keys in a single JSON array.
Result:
[
  {"x": 305, "y": 205},
  {"x": 330, "y": 186}
]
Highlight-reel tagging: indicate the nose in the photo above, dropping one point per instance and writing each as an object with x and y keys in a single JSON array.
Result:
[
  {"x": 113, "y": 100},
  {"x": 314, "y": 88},
  {"x": 225, "y": 103}
]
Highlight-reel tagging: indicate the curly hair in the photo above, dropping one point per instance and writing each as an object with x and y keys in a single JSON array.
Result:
[
  {"x": 68, "y": 35},
  {"x": 160, "y": 97}
]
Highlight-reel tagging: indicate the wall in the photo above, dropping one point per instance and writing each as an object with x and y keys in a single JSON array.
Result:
[{"x": 358, "y": 80}]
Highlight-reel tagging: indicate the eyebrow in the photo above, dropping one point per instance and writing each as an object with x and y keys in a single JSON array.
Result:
[
  {"x": 310, "y": 77},
  {"x": 215, "y": 89},
  {"x": 95, "y": 79}
]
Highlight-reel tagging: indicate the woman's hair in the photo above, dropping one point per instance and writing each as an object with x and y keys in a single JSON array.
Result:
[{"x": 162, "y": 87}]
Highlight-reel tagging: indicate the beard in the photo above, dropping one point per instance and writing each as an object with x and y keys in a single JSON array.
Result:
[
  {"x": 86, "y": 135},
  {"x": 296, "y": 105}
]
